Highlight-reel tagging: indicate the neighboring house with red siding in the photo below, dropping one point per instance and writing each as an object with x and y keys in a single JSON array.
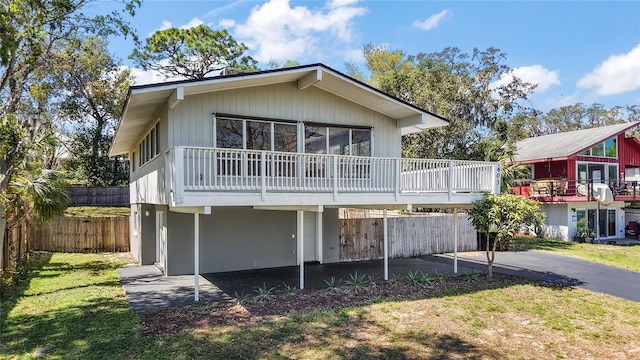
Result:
[{"x": 568, "y": 169}]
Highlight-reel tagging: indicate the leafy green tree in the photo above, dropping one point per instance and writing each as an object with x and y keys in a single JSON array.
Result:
[
  {"x": 192, "y": 53},
  {"x": 504, "y": 215},
  {"x": 461, "y": 87},
  {"x": 31, "y": 31},
  {"x": 95, "y": 91}
]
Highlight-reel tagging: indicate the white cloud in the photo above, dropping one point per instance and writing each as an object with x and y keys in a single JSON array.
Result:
[
  {"x": 192, "y": 23},
  {"x": 277, "y": 31},
  {"x": 142, "y": 77},
  {"x": 534, "y": 74},
  {"x": 226, "y": 23},
  {"x": 616, "y": 75},
  {"x": 165, "y": 25},
  {"x": 354, "y": 55},
  {"x": 432, "y": 21}
]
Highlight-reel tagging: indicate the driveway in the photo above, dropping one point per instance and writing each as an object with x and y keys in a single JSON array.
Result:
[{"x": 556, "y": 268}]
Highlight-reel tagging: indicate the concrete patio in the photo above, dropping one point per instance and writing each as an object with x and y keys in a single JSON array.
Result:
[{"x": 147, "y": 289}]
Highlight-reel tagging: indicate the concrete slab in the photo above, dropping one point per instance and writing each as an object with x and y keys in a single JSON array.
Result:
[{"x": 148, "y": 289}]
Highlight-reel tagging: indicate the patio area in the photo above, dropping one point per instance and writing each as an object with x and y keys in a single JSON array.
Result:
[{"x": 147, "y": 289}]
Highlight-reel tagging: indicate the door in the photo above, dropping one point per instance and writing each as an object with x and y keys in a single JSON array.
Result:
[
  {"x": 161, "y": 242},
  {"x": 606, "y": 220}
]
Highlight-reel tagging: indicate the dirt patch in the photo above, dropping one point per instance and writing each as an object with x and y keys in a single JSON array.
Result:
[{"x": 252, "y": 309}]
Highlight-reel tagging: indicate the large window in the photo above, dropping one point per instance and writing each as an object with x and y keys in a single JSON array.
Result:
[
  {"x": 607, "y": 149},
  {"x": 278, "y": 135},
  {"x": 149, "y": 147},
  {"x": 337, "y": 140},
  {"x": 597, "y": 172},
  {"x": 232, "y": 133}
]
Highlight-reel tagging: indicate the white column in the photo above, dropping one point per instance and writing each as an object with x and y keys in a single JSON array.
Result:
[
  {"x": 455, "y": 240},
  {"x": 300, "y": 235},
  {"x": 385, "y": 244},
  {"x": 196, "y": 255},
  {"x": 319, "y": 237}
]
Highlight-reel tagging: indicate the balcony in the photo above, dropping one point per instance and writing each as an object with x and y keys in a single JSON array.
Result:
[
  {"x": 200, "y": 176},
  {"x": 562, "y": 189}
]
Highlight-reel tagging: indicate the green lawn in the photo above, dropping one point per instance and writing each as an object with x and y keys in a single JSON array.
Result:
[
  {"x": 623, "y": 256},
  {"x": 75, "y": 303}
]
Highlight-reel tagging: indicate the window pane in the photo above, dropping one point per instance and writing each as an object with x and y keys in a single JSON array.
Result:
[
  {"x": 286, "y": 138},
  {"x": 315, "y": 139},
  {"x": 611, "y": 150},
  {"x": 598, "y": 150},
  {"x": 582, "y": 172},
  {"x": 586, "y": 152},
  {"x": 361, "y": 142},
  {"x": 157, "y": 139},
  {"x": 613, "y": 173},
  {"x": 338, "y": 141},
  {"x": 258, "y": 135},
  {"x": 229, "y": 134}
]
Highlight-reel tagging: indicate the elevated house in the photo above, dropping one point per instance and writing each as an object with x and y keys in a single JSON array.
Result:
[
  {"x": 583, "y": 178},
  {"x": 248, "y": 171}
]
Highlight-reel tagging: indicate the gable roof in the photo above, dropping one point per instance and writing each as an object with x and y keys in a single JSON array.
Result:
[
  {"x": 144, "y": 101},
  {"x": 567, "y": 143}
]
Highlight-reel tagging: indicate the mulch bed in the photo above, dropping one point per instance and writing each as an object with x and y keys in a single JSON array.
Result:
[{"x": 250, "y": 310}]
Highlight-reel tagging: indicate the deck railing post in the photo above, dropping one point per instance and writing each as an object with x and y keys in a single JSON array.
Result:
[
  {"x": 180, "y": 173},
  {"x": 450, "y": 182},
  {"x": 263, "y": 175},
  {"x": 335, "y": 177},
  {"x": 397, "y": 177}
]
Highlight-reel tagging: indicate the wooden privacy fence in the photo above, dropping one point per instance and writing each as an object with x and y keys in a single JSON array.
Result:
[
  {"x": 82, "y": 234},
  {"x": 362, "y": 238},
  {"x": 99, "y": 196}
]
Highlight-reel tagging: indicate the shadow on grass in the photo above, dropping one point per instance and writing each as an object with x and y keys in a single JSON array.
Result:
[
  {"x": 343, "y": 332},
  {"x": 534, "y": 243}
]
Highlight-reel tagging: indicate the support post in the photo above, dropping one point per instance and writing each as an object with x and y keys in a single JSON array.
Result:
[
  {"x": 385, "y": 244},
  {"x": 196, "y": 255},
  {"x": 319, "y": 244},
  {"x": 300, "y": 241},
  {"x": 455, "y": 240}
]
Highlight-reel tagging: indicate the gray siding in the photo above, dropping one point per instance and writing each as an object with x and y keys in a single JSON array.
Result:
[
  {"x": 237, "y": 238},
  {"x": 191, "y": 121}
]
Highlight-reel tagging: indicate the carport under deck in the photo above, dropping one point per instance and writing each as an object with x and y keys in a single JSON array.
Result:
[{"x": 147, "y": 289}]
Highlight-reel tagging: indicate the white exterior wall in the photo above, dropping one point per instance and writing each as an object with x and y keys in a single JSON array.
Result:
[
  {"x": 147, "y": 183},
  {"x": 190, "y": 123},
  {"x": 556, "y": 223}
]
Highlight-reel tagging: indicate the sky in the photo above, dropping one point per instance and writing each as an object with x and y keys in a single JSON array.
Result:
[{"x": 575, "y": 51}]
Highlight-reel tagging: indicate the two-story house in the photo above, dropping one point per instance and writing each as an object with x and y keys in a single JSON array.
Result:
[
  {"x": 248, "y": 171},
  {"x": 571, "y": 171}
]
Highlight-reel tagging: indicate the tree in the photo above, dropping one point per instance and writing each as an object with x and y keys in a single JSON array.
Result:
[
  {"x": 503, "y": 215},
  {"x": 578, "y": 116},
  {"x": 192, "y": 53},
  {"x": 464, "y": 88},
  {"x": 272, "y": 64},
  {"x": 30, "y": 32},
  {"x": 95, "y": 91}
]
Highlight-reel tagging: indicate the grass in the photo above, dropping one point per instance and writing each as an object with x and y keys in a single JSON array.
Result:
[
  {"x": 97, "y": 211},
  {"x": 622, "y": 256},
  {"x": 75, "y": 303}
]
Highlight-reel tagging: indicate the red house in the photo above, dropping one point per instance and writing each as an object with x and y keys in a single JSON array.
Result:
[{"x": 570, "y": 171}]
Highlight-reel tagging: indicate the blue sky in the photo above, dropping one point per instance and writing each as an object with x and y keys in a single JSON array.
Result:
[{"x": 576, "y": 51}]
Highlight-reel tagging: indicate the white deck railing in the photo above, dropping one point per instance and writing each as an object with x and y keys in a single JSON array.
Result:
[{"x": 231, "y": 170}]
